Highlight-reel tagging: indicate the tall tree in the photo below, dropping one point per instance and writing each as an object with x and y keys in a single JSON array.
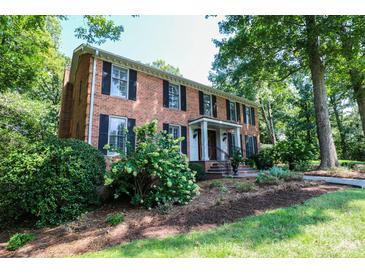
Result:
[
  {"x": 162, "y": 65},
  {"x": 275, "y": 47}
]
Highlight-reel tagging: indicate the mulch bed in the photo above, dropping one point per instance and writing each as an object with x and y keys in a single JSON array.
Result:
[
  {"x": 210, "y": 209},
  {"x": 341, "y": 173}
]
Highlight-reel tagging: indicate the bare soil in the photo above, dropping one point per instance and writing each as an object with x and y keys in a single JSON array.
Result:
[{"x": 214, "y": 206}]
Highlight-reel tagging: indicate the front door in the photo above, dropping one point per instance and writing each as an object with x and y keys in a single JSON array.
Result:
[{"x": 212, "y": 145}]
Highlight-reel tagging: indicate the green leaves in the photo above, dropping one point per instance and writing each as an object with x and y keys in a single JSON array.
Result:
[
  {"x": 98, "y": 29},
  {"x": 156, "y": 173}
]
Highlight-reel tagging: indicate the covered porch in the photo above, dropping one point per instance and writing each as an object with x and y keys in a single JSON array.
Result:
[{"x": 213, "y": 140}]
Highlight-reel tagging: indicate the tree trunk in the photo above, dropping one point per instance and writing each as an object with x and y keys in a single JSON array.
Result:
[
  {"x": 358, "y": 85},
  {"x": 339, "y": 126},
  {"x": 268, "y": 121},
  {"x": 326, "y": 145}
]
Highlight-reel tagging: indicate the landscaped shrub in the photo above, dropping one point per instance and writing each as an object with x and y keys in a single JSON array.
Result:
[
  {"x": 18, "y": 240},
  {"x": 155, "y": 173},
  {"x": 266, "y": 158},
  {"x": 276, "y": 175},
  {"x": 114, "y": 219},
  {"x": 294, "y": 152},
  {"x": 244, "y": 186},
  {"x": 49, "y": 182},
  {"x": 200, "y": 174}
]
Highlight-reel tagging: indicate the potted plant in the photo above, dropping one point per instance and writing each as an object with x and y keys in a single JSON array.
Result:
[{"x": 236, "y": 159}]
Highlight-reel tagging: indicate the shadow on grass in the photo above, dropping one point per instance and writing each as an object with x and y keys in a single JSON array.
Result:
[{"x": 270, "y": 227}]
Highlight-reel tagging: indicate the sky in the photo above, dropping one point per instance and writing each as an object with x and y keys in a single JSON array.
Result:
[{"x": 182, "y": 41}]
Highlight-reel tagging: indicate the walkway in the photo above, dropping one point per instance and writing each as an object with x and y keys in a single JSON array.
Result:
[{"x": 337, "y": 180}]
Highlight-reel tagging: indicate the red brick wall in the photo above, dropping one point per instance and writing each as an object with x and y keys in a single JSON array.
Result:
[{"x": 149, "y": 104}]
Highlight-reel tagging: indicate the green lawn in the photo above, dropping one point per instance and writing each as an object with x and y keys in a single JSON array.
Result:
[
  {"x": 342, "y": 162},
  {"x": 331, "y": 225}
]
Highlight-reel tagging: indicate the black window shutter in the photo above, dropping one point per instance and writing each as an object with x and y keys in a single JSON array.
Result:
[
  {"x": 131, "y": 135},
  {"x": 214, "y": 103},
  {"x": 184, "y": 143},
  {"x": 201, "y": 103},
  {"x": 253, "y": 116},
  {"x": 183, "y": 97},
  {"x": 229, "y": 138},
  {"x": 165, "y": 127},
  {"x": 228, "y": 110},
  {"x": 165, "y": 93},
  {"x": 132, "y": 92},
  {"x": 238, "y": 112},
  {"x": 244, "y": 114},
  {"x": 103, "y": 132},
  {"x": 241, "y": 144},
  {"x": 107, "y": 72},
  {"x": 247, "y": 146},
  {"x": 255, "y": 144}
]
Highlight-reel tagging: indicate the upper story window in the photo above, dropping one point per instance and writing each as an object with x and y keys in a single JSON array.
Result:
[
  {"x": 119, "y": 84},
  {"x": 117, "y": 134},
  {"x": 250, "y": 115},
  {"x": 233, "y": 111},
  {"x": 207, "y": 104},
  {"x": 174, "y": 96}
]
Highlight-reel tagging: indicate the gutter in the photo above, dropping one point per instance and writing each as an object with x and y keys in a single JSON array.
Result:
[{"x": 92, "y": 99}]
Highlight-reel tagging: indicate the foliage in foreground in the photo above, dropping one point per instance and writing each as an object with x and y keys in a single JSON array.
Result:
[
  {"x": 114, "y": 219},
  {"x": 18, "y": 240},
  {"x": 49, "y": 182},
  {"x": 327, "y": 226},
  {"x": 277, "y": 175},
  {"x": 156, "y": 173},
  {"x": 200, "y": 174}
]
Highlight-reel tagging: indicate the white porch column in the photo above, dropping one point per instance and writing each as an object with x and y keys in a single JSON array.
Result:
[
  {"x": 204, "y": 131},
  {"x": 221, "y": 144},
  {"x": 237, "y": 137}
]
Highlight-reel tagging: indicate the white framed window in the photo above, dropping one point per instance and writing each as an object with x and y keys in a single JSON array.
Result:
[
  {"x": 233, "y": 111},
  {"x": 174, "y": 96},
  {"x": 248, "y": 114},
  {"x": 119, "y": 82},
  {"x": 117, "y": 134},
  {"x": 175, "y": 131},
  {"x": 207, "y": 104}
]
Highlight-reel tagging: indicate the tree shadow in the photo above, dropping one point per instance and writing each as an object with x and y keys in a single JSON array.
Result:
[{"x": 252, "y": 232}]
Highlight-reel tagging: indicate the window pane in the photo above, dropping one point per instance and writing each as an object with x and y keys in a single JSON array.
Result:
[
  {"x": 233, "y": 111},
  {"x": 174, "y": 98},
  {"x": 174, "y": 131},
  {"x": 117, "y": 134},
  {"x": 207, "y": 105}
]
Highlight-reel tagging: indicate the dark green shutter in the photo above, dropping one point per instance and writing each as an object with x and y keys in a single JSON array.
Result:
[
  {"x": 183, "y": 97},
  {"x": 184, "y": 144},
  {"x": 238, "y": 112},
  {"x": 228, "y": 110},
  {"x": 201, "y": 103},
  {"x": 132, "y": 92},
  {"x": 103, "y": 132},
  {"x": 244, "y": 114},
  {"x": 165, "y": 127},
  {"x": 255, "y": 144},
  {"x": 131, "y": 135},
  {"x": 105, "y": 84},
  {"x": 165, "y": 93},
  {"x": 241, "y": 144},
  {"x": 247, "y": 146},
  {"x": 214, "y": 103},
  {"x": 253, "y": 116}
]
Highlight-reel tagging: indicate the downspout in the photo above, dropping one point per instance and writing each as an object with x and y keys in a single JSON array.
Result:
[{"x": 92, "y": 99}]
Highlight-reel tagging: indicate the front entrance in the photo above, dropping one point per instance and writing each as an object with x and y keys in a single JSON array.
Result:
[{"x": 212, "y": 145}]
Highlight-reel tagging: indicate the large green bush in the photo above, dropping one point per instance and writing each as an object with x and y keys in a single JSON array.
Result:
[
  {"x": 266, "y": 157},
  {"x": 49, "y": 182},
  {"x": 294, "y": 153},
  {"x": 156, "y": 173}
]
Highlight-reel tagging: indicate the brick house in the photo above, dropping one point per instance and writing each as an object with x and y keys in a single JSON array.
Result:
[{"x": 105, "y": 93}]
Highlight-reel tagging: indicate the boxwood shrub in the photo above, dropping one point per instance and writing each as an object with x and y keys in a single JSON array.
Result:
[{"x": 49, "y": 182}]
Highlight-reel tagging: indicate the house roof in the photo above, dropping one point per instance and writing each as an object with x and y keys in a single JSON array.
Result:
[{"x": 123, "y": 61}]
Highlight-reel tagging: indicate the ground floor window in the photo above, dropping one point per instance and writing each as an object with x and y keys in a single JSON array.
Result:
[
  {"x": 117, "y": 134},
  {"x": 175, "y": 131},
  {"x": 251, "y": 145}
]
